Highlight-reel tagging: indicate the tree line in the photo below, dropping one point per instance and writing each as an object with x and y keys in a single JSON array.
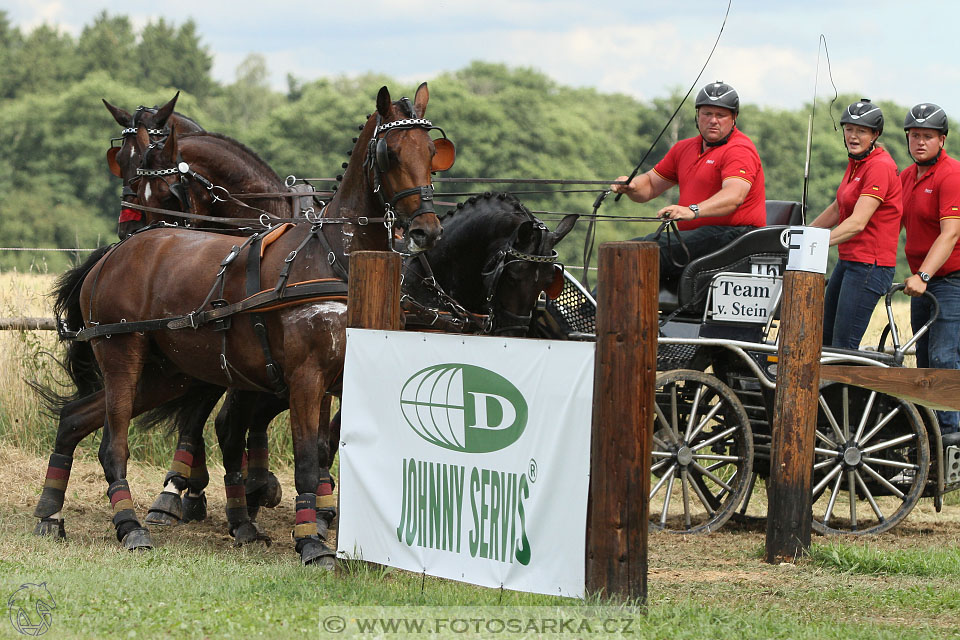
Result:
[{"x": 506, "y": 123}]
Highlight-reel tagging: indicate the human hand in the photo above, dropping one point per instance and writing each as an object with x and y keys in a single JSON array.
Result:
[
  {"x": 914, "y": 286},
  {"x": 676, "y": 212}
]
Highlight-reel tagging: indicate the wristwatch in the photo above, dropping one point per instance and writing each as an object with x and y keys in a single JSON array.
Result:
[
  {"x": 696, "y": 210},
  {"x": 924, "y": 276}
]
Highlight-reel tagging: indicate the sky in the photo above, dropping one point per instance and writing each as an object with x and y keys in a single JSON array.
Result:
[{"x": 769, "y": 49}]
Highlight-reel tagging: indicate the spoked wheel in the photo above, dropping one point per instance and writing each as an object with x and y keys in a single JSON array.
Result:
[
  {"x": 702, "y": 453},
  {"x": 870, "y": 463}
]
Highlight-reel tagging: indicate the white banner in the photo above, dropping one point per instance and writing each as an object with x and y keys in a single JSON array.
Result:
[{"x": 467, "y": 457}]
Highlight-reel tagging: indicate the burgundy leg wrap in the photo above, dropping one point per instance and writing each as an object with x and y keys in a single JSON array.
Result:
[
  {"x": 236, "y": 500},
  {"x": 54, "y": 486},
  {"x": 124, "y": 516}
]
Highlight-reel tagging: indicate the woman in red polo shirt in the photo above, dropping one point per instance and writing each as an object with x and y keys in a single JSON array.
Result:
[
  {"x": 931, "y": 216},
  {"x": 865, "y": 224}
]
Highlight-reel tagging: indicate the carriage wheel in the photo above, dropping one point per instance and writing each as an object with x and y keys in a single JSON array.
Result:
[
  {"x": 870, "y": 462},
  {"x": 702, "y": 453}
]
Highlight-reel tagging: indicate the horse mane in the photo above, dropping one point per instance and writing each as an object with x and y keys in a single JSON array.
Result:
[
  {"x": 504, "y": 205},
  {"x": 239, "y": 145}
]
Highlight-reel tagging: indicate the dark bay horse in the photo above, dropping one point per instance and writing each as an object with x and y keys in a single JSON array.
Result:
[
  {"x": 393, "y": 158},
  {"x": 123, "y": 160},
  {"x": 202, "y": 174},
  {"x": 493, "y": 262}
]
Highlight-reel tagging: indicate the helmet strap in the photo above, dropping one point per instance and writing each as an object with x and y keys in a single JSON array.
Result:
[
  {"x": 722, "y": 141},
  {"x": 860, "y": 156},
  {"x": 932, "y": 161}
]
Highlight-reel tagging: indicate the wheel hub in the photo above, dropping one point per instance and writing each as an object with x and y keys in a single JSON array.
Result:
[
  {"x": 852, "y": 456},
  {"x": 684, "y": 455}
]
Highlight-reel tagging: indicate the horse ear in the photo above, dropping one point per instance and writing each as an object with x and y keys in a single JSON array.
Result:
[
  {"x": 420, "y": 100},
  {"x": 527, "y": 237},
  {"x": 122, "y": 117},
  {"x": 169, "y": 150},
  {"x": 566, "y": 225},
  {"x": 143, "y": 139},
  {"x": 383, "y": 102},
  {"x": 165, "y": 111}
]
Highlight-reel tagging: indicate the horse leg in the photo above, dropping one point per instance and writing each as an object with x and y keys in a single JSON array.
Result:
[
  {"x": 326, "y": 450},
  {"x": 188, "y": 469},
  {"x": 78, "y": 419},
  {"x": 195, "y": 500},
  {"x": 122, "y": 359},
  {"x": 262, "y": 487},
  {"x": 231, "y": 433},
  {"x": 306, "y": 395}
]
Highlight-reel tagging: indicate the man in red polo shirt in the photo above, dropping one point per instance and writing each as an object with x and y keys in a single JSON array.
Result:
[
  {"x": 931, "y": 216},
  {"x": 720, "y": 179}
]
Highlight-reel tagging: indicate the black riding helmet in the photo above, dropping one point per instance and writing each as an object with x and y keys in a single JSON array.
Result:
[
  {"x": 865, "y": 114},
  {"x": 719, "y": 94},
  {"x": 926, "y": 116}
]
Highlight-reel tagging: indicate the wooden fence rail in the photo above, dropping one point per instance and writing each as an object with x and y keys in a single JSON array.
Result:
[{"x": 28, "y": 324}]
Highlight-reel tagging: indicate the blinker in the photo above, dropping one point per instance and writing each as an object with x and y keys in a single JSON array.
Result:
[
  {"x": 555, "y": 288},
  {"x": 112, "y": 161},
  {"x": 445, "y": 155}
]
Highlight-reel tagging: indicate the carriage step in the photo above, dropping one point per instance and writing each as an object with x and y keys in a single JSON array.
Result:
[{"x": 951, "y": 465}]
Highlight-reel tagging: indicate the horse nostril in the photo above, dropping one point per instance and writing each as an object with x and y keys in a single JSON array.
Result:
[{"x": 418, "y": 237}]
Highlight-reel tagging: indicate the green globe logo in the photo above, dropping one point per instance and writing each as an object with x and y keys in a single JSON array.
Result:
[{"x": 463, "y": 408}]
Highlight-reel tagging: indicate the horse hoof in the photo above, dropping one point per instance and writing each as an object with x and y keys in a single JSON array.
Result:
[
  {"x": 137, "y": 540},
  {"x": 272, "y": 492},
  {"x": 317, "y": 554},
  {"x": 245, "y": 533},
  {"x": 194, "y": 508},
  {"x": 50, "y": 527},
  {"x": 167, "y": 510}
]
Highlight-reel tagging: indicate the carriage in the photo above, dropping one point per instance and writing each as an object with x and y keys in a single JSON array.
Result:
[{"x": 876, "y": 455}]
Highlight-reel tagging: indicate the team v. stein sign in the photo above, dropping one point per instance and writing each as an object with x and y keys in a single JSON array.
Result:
[
  {"x": 467, "y": 457},
  {"x": 468, "y": 409}
]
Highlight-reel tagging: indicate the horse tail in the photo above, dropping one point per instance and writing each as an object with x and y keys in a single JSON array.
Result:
[
  {"x": 184, "y": 412},
  {"x": 79, "y": 361}
]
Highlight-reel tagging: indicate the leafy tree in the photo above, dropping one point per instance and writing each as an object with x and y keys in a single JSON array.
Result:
[
  {"x": 109, "y": 44},
  {"x": 171, "y": 57}
]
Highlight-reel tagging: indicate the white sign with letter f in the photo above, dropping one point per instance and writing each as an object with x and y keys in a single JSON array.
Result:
[{"x": 808, "y": 249}]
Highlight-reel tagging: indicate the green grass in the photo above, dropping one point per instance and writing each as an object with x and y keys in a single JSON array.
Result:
[
  {"x": 183, "y": 590},
  {"x": 864, "y": 559}
]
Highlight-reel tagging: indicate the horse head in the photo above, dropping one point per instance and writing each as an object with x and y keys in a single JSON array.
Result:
[
  {"x": 123, "y": 158},
  {"x": 398, "y": 159},
  {"x": 495, "y": 258},
  {"x": 520, "y": 270},
  {"x": 159, "y": 178}
]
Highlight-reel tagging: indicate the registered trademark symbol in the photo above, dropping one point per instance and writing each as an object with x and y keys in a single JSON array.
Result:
[{"x": 532, "y": 470}]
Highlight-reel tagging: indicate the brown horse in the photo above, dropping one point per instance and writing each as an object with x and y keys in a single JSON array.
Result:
[
  {"x": 143, "y": 368},
  {"x": 123, "y": 159},
  {"x": 202, "y": 174}
]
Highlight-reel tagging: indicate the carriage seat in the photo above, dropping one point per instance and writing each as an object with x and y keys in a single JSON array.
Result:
[{"x": 736, "y": 256}]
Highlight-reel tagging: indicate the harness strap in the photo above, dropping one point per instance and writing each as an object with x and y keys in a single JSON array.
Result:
[
  {"x": 274, "y": 372},
  {"x": 295, "y": 293}
]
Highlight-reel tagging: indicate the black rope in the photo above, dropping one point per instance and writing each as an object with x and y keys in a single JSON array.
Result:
[{"x": 495, "y": 180}]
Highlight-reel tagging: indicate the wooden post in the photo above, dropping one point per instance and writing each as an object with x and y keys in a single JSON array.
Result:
[
  {"x": 622, "y": 437},
  {"x": 374, "y": 290},
  {"x": 789, "y": 514}
]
